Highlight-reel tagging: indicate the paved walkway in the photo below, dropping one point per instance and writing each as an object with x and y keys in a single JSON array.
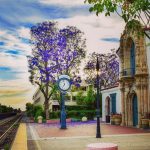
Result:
[
  {"x": 20, "y": 142},
  {"x": 77, "y": 136},
  {"x": 82, "y": 129}
]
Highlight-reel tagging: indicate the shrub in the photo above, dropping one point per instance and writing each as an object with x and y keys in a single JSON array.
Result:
[
  {"x": 90, "y": 114},
  {"x": 37, "y": 111},
  {"x": 54, "y": 114},
  {"x": 77, "y": 107}
]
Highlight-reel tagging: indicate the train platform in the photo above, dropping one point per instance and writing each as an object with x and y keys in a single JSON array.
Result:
[
  {"x": 20, "y": 142},
  {"x": 78, "y": 135},
  {"x": 33, "y": 136}
]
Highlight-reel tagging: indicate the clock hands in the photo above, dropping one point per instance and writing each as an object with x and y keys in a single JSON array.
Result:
[{"x": 64, "y": 85}]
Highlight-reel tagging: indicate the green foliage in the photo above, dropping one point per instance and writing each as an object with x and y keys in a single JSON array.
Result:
[
  {"x": 6, "y": 147},
  {"x": 90, "y": 98},
  {"x": 90, "y": 114},
  {"x": 29, "y": 109},
  {"x": 34, "y": 111},
  {"x": 80, "y": 98},
  {"x": 37, "y": 111},
  {"x": 7, "y": 109},
  {"x": 77, "y": 107},
  {"x": 55, "y": 115}
]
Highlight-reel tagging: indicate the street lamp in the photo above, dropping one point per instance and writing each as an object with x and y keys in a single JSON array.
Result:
[{"x": 98, "y": 132}]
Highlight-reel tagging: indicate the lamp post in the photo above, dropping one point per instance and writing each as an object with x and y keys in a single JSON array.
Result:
[{"x": 98, "y": 132}]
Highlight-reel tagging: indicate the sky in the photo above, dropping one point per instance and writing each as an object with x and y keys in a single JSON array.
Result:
[{"x": 16, "y": 19}]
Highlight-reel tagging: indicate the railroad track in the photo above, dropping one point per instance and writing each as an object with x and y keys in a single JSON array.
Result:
[
  {"x": 6, "y": 120},
  {"x": 8, "y": 129}
]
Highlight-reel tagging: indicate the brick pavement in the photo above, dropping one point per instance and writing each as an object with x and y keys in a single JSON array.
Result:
[
  {"x": 77, "y": 136},
  {"x": 45, "y": 130}
]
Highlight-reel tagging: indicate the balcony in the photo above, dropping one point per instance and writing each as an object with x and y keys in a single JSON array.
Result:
[{"x": 129, "y": 72}]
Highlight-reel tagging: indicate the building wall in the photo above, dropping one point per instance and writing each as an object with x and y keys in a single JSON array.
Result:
[
  {"x": 105, "y": 94},
  {"x": 147, "y": 40},
  {"x": 38, "y": 97},
  {"x": 134, "y": 87},
  {"x": 147, "y": 45}
]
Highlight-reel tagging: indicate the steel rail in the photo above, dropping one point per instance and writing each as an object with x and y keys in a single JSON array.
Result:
[
  {"x": 6, "y": 120},
  {"x": 4, "y": 135}
]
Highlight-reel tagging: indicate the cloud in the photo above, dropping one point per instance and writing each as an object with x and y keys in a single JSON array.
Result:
[
  {"x": 15, "y": 41},
  {"x": 12, "y": 92},
  {"x": 24, "y": 32},
  {"x": 30, "y": 12},
  {"x": 66, "y": 3},
  {"x": 96, "y": 28}
]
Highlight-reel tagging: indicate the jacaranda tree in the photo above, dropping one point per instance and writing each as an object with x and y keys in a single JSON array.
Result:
[
  {"x": 109, "y": 69},
  {"x": 54, "y": 52}
]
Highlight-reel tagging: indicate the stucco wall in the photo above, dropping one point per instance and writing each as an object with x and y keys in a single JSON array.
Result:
[{"x": 106, "y": 93}]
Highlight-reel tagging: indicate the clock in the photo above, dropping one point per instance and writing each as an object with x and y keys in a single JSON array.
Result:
[{"x": 64, "y": 84}]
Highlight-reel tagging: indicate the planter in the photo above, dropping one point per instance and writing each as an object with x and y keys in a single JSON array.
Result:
[
  {"x": 117, "y": 121},
  {"x": 145, "y": 123},
  {"x": 112, "y": 121},
  {"x": 84, "y": 119},
  {"x": 40, "y": 119}
]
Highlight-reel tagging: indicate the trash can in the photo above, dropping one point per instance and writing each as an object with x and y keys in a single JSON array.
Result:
[{"x": 107, "y": 119}]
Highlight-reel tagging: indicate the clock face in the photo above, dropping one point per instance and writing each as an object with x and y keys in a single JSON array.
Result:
[{"x": 64, "y": 84}]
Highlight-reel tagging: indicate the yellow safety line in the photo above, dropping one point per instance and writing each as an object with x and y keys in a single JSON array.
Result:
[{"x": 20, "y": 142}]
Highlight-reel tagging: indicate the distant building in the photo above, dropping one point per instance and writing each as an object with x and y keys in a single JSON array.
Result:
[{"x": 70, "y": 98}]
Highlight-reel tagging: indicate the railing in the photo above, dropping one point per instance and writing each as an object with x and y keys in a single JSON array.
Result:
[{"x": 128, "y": 72}]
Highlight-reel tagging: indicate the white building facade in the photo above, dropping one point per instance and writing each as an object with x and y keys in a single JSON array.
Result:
[{"x": 111, "y": 102}]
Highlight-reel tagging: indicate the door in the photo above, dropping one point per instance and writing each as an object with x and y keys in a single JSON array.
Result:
[
  {"x": 135, "y": 110},
  {"x": 113, "y": 103}
]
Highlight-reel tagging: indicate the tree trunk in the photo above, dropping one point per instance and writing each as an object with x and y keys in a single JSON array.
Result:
[{"x": 46, "y": 109}]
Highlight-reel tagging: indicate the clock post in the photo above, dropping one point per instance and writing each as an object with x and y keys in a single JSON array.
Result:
[
  {"x": 64, "y": 85},
  {"x": 63, "y": 112}
]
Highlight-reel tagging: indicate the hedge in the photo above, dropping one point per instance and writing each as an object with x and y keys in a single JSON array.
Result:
[
  {"x": 77, "y": 107},
  {"x": 90, "y": 114}
]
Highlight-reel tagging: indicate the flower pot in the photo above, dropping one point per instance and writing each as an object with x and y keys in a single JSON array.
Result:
[
  {"x": 40, "y": 119},
  {"x": 84, "y": 119},
  {"x": 117, "y": 121},
  {"x": 145, "y": 123},
  {"x": 112, "y": 121}
]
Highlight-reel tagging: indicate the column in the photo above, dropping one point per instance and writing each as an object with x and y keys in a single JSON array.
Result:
[
  {"x": 138, "y": 92},
  {"x": 123, "y": 105},
  {"x": 145, "y": 98}
]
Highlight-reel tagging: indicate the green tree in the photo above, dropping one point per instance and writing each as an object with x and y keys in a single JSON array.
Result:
[
  {"x": 90, "y": 98},
  {"x": 29, "y": 109},
  {"x": 80, "y": 98},
  {"x": 131, "y": 11},
  {"x": 37, "y": 111}
]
